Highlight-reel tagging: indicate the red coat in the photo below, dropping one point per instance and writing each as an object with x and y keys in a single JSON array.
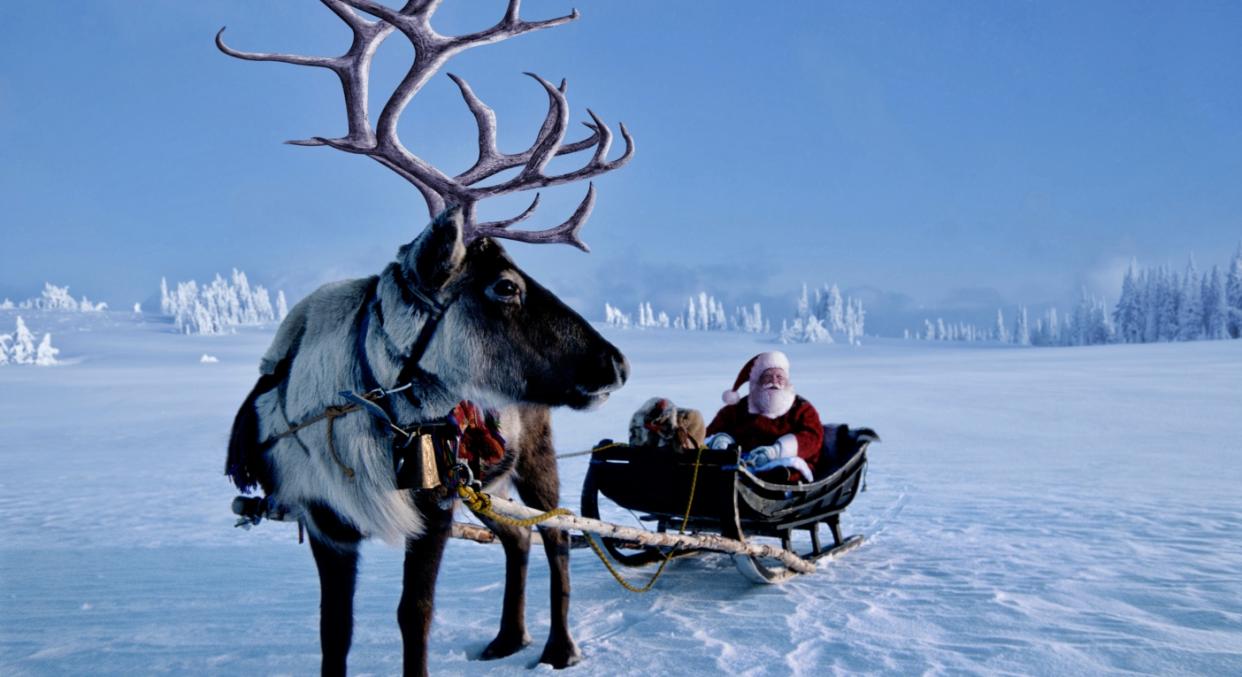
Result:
[{"x": 753, "y": 430}]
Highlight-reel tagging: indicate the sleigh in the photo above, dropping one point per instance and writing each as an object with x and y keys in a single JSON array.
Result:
[{"x": 713, "y": 495}]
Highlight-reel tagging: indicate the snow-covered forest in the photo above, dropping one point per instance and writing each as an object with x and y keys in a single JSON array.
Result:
[
  {"x": 821, "y": 314},
  {"x": 1157, "y": 304},
  {"x": 1089, "y": 324},
  {"x": 219, "y": 307},
  {"x": 20, "y": 347},
  {"x": 702, "y": 313},
  {"x": 55, "y": 298}
]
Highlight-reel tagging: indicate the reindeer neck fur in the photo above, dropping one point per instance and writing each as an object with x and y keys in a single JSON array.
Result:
[
  {"x": 392, "y": 334},
  {"x": 446, "y": 373}
]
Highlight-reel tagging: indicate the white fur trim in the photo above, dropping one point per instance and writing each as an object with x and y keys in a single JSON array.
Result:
[
  {"x": 797, "y": 463},
  {"x": 788, "y": 445},
  {"x": 765, "y": 361},
  {"x": 731, "y": 397}
]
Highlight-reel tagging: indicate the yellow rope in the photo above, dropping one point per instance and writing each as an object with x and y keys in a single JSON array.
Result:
[
  {"x": 481, "y": 504},
  {"x": 685, "y": 519}
]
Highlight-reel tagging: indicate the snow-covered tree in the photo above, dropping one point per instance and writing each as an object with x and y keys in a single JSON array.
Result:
[
  {"x": 1215, "y": 308},
  {"x": 834, "y": 309},
  {"x": 282, "y": 306},
  {"x": 45, "y": 355},
  {"x": 1053, "y": 326},
  {"x": 23, "y": 349},
  {"x": 216, "y": 307},
  {"x": 830, "y": 311},
  {"x": 1047, "y": 329},
  {"x": 647, "y": 317},
  {"x": 1021, "y": 330},
  {"x": 1170, "y": 308},
  {"x": 811, "y": 330},
  {"x": 1233, "y": 294},
  {"x": 55, "y": 298},
  {"x": 1090, "y": 324},
  {"x": 166, "y": 299},
  {"x": 20, "y": 347},
  {"x": 615, "y": 317},
  {"x": 1190, "y": 305},
  {"x": 1148, "y": 294},
  {"x": 1128, "y": 315},
  {"x": 855, "y": 321},
  {"x": 1002, "y": 334},
  {"x": 749, "y": 320}
]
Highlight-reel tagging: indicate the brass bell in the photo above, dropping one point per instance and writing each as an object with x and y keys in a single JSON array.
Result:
[{"x": 427, "y": 472}]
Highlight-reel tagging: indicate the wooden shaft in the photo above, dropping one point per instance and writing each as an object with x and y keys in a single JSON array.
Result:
[
  {"x": 712, "y": 542},
  {"x": 473, "y": 532}
]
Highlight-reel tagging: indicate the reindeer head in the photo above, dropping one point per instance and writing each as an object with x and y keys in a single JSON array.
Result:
[
  {"x": 511, "y": 339},
  {"x": 505, "y": 338}
]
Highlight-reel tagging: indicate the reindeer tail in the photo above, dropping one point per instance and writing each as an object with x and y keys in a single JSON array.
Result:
[{"x": 246, "y": 464}]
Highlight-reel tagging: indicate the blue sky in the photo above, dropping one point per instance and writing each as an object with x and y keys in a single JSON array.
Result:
[{"x": 940, "y": 158}]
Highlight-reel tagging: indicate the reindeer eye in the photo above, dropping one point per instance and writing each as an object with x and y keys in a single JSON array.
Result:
[{"x": 506, "y": 290}]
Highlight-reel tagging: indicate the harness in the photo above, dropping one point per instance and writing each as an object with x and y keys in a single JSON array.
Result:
[{"x": 424, "y": 455}]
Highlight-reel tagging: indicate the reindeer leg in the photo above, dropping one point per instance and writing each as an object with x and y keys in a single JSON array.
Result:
[
  {"x": 539, "y": 486},
  {"x": 335, "y": 547},
  {"x": 512, "y": 636},
  {"x": 422, "y": 565}
]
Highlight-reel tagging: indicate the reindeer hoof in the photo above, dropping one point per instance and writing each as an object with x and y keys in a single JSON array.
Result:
[
  {"x": 561, "y": 654},
  {"x": 505, "y": 645}
]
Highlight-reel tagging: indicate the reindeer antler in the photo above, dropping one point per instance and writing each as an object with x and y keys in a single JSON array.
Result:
[{"x": 431, "y": 51}]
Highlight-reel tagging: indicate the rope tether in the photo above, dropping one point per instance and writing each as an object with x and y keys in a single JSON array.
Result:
[{"x": 481, "y": 504}]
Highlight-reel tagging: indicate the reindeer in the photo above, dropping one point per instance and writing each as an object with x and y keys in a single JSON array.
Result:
[{"x": 451, "y": 318}]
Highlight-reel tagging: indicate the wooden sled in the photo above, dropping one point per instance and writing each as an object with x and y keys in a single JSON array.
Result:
[{"x": 729, "y": 500}]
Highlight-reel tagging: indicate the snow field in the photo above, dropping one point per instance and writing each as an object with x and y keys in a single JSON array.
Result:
[{"x": 1038, "y": 511}]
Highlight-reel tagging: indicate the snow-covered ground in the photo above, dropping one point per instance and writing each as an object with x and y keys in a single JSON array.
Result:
[{"x": 1046, "y": 511}]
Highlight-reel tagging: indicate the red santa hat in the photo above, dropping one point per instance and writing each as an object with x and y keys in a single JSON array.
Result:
[{"x": 752, "y": 370}]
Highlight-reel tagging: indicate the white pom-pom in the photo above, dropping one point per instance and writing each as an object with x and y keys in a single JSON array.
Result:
[{"x": 730, "y": 397}]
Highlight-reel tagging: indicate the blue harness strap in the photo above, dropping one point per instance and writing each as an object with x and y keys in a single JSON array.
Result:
[{"x": 376, "y": 399}]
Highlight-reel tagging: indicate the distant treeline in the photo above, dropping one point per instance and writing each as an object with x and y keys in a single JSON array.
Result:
[
  {"x": 822, "y": 313},
  {"x": 1156, "y": 304}
]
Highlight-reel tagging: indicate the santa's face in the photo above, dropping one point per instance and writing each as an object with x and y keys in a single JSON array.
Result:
[
  {"x": 774, "y": 396},
  {"x": 774, "y": 378}
]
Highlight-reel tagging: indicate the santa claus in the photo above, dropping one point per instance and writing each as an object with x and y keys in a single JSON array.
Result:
[{"x": 775, "y": 427}]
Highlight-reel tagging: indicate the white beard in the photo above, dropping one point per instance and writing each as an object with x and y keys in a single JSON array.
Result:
[{"x": 771, "y": 402}]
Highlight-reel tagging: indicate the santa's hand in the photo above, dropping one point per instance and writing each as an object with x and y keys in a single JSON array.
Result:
[
  {"x": 760, "y": 456},
  {"x": 719, "y": 441}
]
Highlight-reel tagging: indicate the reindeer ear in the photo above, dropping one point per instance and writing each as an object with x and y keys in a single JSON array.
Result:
[{"x": 436, "y": 255}]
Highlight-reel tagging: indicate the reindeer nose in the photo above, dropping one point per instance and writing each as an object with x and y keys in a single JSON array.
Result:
[
  {"x": 620, "y": 367},
  {"x": 612, "y": 369}
]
